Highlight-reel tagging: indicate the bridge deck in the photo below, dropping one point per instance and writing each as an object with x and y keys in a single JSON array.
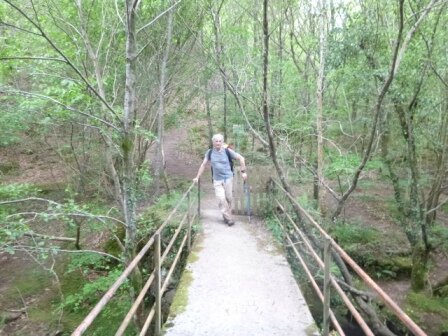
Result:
[{"x": 237, "y": 283}]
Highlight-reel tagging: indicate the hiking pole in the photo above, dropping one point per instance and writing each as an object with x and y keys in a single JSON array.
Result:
[{"x": 247, "y": 192}]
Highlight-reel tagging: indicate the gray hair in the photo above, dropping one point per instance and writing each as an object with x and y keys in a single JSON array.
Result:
[{"x": 218, "y": 137}]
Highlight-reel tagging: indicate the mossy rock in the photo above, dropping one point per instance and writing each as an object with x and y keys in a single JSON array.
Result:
[
  {"x": 112, "y": 246},
  {"x": 385, "y": 266}
]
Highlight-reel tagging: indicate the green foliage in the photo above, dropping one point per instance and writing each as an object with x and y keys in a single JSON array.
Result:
[
  {"x": 420, "y": 304},
  {"x": 197, "y": 140},
  {"x": 154, "y": 216},
  {"x": 18, "y": 190},
  {"x": 91, "y": 291},
  {"x": 13, "y": 227},
  {"x": 144, "y": 180},
  {"x": 275, "y": 228},
  {"x": 353, "y": 234},
  {"x": 438, "y": 235},
  {"x": 347, "y": 165},
  {"x": 12, "y": 123},
  {"x": 82, "y": 294},
  {"x": 87, "y": 261}
]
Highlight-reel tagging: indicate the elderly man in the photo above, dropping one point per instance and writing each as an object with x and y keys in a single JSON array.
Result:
[{"x": 220, "y": 158}]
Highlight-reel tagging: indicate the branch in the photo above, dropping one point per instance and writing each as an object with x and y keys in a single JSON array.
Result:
[
  {"x": 47, "y": 249},
  {"x": 243, "y": 112},
  {"x": 311, "y": 170},
  {"x": 41, "y": 236},
  {"x": 437, "y": 207},
  {"x": 158, "y": 17},
  {"x": 410, "y": 33},
  {"x": 354, "y": 291},
  {"x": 37, "y": 95},
  {"x": 79, "y": 214},
  {"x": 397, "y": 54},
  {"x": 18, "y": 28},
  {"x": 67, "y": 60},
  {"x": 35, "y": 58}
]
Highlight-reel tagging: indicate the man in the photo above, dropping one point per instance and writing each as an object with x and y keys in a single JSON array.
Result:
[{"x": 222, "y": 174}]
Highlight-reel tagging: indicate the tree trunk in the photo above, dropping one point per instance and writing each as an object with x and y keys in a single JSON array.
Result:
[
  {"x": 320, "y": 105},
  {"x": 209, "y": 116},
  {"x": 127, "y": 145},
  {"x": 419, "y": 273},
  {"x": 160, "y": 173}
]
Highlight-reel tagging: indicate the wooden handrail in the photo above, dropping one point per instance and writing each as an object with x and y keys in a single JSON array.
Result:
[
  {"x": 407, "y": 321},
  {"x": 88, "y": 320},
  {"x": 344, "y": 297},
  {"x": 335, "y": 322}
]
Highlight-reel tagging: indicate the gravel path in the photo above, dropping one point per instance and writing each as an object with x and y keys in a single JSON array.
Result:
[{"x": 237, "y": 283}]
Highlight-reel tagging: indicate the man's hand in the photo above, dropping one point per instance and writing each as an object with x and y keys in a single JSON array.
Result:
[{"x": 244, "y": 176}]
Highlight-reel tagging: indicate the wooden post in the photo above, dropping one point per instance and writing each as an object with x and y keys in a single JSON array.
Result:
[
  {"x": 199, "y": 199},
  {"x": 157, "y": 284},
  {"x": 327, "y": 260},
  {"x": 188, "y": 222}
]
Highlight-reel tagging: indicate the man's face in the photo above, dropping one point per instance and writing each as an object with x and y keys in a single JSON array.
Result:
[{"x": 217, "y": 143}]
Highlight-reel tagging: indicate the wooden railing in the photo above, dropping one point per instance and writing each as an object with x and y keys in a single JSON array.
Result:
[
  {"x": 330, "y": 246},
  {"x": 184, "y": 233}
]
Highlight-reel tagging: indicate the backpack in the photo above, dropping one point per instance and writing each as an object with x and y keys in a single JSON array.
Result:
[{"x": 209, "y": 158}]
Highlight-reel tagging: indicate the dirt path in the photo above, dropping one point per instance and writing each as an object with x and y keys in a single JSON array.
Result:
[{"x": 179, "y": 162}]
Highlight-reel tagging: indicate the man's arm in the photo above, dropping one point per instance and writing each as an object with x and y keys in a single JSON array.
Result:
[
  {"x": 242, "y": 166},
  {"x": 201, "y": 170}
]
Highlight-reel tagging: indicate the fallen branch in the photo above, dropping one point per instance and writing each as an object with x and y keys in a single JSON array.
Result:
[
  {"x": 47, "y": 249},
  {"x": 41, "y": 236}
]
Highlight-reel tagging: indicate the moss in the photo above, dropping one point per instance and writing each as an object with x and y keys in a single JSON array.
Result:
[
  {"x": 432, "y": 310},
  {"x": 312, "y": 330},
  {"x": 193, "y": 257},
  {"x": 111, "y": 246},
  {"x": 180, "y": 300},
  {"x": 420, "y": 268},
  {"x": 40, "y": 279}
]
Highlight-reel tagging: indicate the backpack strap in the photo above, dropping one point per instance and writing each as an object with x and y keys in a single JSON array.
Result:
[
  {"x": 230, "y": 159},
  {"x": 209, "y": 155}
]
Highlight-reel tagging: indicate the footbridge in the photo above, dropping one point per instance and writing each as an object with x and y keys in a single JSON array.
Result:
[{"x": 236, "y": 280}]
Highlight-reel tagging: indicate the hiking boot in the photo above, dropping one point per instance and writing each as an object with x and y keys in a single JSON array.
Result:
[{"x": 230, "y": 222}]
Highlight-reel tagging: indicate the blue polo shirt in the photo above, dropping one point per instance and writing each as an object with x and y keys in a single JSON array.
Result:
[{"x": 220, "y": 163}]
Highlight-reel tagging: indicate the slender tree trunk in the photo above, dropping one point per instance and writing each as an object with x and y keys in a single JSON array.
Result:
[
  {"x": 320, "y": 105},
  {"x": 209, "y": 116},
  {"x": 128, "y": 133},
  {"x": 160, "y": 172},
  {"x": 128, "y": 146},
  {"x": 224, "y": 91}
]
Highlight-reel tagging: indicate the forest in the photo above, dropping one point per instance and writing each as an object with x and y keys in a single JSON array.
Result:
[{"x": 346, "y": 102}]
